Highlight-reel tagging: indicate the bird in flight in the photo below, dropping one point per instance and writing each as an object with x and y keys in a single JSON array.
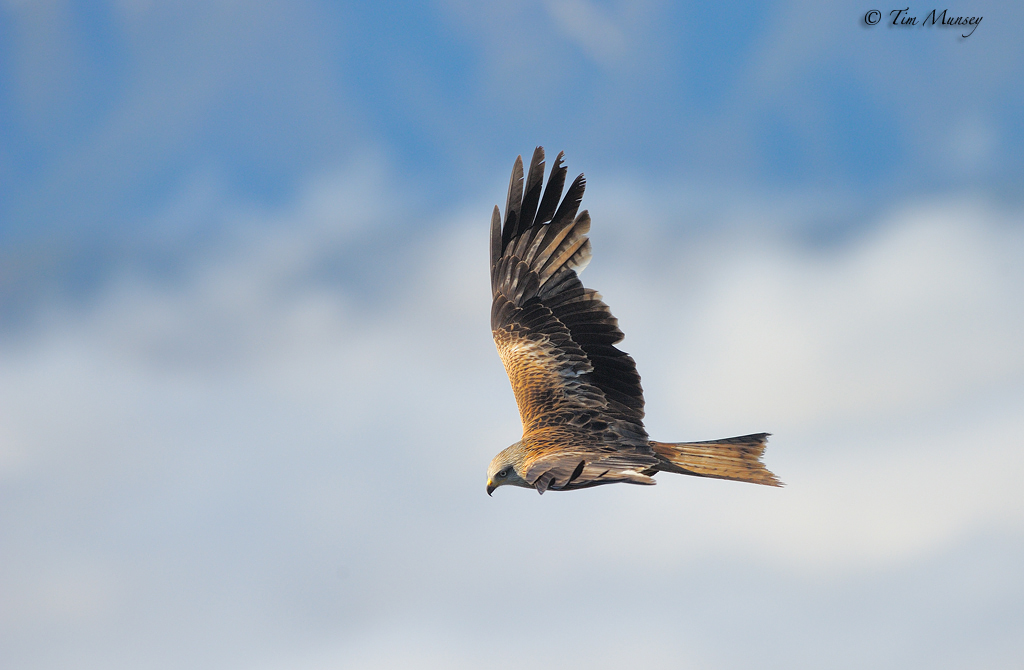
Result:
[{"x": 579, "y": 396}]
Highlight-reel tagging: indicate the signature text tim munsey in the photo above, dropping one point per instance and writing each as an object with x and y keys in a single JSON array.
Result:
[{"x": 901, "y": 17}]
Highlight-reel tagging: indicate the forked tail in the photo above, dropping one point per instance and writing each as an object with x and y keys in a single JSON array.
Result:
[{"x": 736, "y": 458}]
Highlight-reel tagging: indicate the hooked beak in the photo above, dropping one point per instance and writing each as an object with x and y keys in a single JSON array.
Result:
[{"x": 490, "y": 487}]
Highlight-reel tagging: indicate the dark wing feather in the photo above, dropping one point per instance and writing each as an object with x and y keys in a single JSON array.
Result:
[
  {"x": 553, "y": 191},
  {"x": 531, "y": 193},
  {"x": 514, "y": 203},
  {"x": 555, "y": 337}
]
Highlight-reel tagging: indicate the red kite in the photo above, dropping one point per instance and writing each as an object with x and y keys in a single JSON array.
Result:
[{"x": 579, "y": 396}]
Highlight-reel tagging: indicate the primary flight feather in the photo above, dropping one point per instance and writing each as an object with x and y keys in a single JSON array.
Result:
[{"x": 579, "y": 396}]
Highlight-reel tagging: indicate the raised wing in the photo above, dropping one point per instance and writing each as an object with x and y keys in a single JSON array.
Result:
[{"x": 555, "y": 337}]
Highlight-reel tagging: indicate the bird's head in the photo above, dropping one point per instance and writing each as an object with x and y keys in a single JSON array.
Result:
[{"x": 504, "y": 469}]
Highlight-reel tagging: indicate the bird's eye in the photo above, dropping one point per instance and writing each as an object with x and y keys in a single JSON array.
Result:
[{"x": 503, "y": 473}]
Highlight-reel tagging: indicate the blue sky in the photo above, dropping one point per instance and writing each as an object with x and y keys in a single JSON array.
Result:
[
  {"x": 117, "y": 106},
  {"x": 248, "y": 393}
]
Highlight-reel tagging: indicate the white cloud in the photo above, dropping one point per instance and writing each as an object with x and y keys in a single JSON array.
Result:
[
  {"x": 282, "y": 470},
  {"x": 920, "y": 312}
]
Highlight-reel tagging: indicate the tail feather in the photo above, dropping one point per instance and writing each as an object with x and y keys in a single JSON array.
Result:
[{"x": 736, "y": 458}]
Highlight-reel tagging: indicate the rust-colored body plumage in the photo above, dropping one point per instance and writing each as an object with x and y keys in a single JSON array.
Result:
[{"x": 579, "y": 396}]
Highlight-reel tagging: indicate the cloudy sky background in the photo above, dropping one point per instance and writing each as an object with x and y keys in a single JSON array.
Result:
[{"x": 247, "y": 388}]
